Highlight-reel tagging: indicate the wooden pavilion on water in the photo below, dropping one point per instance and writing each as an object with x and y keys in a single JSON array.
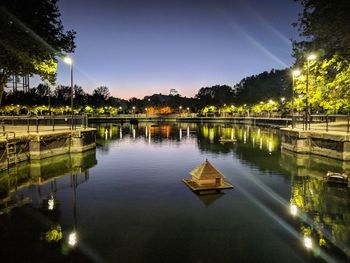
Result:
[{"x": 207, "y": 177}]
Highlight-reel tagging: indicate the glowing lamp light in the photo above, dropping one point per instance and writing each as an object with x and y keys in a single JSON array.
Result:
[
  {"x": 133, "y": 107},
  {"x": 72, "y": 239},
  {"x": 244, "y": 105},
  {"x": 180, "y": 107},
  {"x": 311, "y": 57},
  {"x": 120, "y": 108},
  {"x": 270, "y": 101},
  {"x": 293, "y": 209},
  {"x": 308, "y": 242},
  {"x": 67, "y": 60},
  {"x": 188, "y": 108},
  {"x": 51, "y": 203},
  {"x": 283, "y": 99},
  {"x": 296, "y": 73},
  {"x": 261, "y": 102}
]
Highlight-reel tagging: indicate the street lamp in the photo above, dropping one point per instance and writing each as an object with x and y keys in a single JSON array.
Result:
[
  {"x": 295, "y": 74},
  {"x": 310, "y": 57},
  {"x": 69, "y": 61}
]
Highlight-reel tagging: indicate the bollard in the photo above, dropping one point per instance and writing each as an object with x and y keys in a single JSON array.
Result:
[
  {"x": 37, "y": 124},
  {"x": 348, "y": 129},
  {"x": 327, "y": 123},
  {"x": 53, "y": 123},
  {"x": 28, "y": 125}
]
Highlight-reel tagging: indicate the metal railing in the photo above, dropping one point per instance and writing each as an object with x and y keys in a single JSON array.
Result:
[
  {"x": 323, "y": 122},
  {"x": 43, "y": 123}
]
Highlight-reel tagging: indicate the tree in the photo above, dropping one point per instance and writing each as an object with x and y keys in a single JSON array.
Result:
[
  {"x": 80, "y": 97},
  {"x": 329, "y": 85},
  {"x": 43, "y": 90},
  {"x": 100, "y": 96},
  {"x": 62, "y": 94},
  {"x": 215, "y": 95},
  {"x": 264, "y": 86},
  {"x": 325, "y": 25},
  {"x": 32, "y": 36}
]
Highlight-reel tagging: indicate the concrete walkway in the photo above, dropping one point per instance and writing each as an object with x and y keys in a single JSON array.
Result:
[
  {"x": 22, "y": 130},
  {"x": 337, "y": 127}
]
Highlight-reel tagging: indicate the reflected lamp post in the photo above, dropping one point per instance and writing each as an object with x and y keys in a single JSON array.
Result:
[
  {"x": 295, "y": 74},
  {"x": 69, "y": 61},
  {"x": 307, "y": 114},
  {"x": 73, "y": 236}
]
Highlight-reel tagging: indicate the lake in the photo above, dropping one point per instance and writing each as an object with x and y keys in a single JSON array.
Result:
[{"x": 125, "y": 202}]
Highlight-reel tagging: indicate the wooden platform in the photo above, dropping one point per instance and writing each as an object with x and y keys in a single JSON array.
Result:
[
  {"x": 222, "y": 140},
  {"x": 195, "y": 187}
]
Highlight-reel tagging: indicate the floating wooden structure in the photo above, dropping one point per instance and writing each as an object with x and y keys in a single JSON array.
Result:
[
  {"x": 337, "y": 178},
  {"x": 226, "y": 140},
  {"x": 206, "y": 177}
]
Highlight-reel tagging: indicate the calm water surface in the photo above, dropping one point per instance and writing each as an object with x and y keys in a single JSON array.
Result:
[{"x": 125, "y": 202}]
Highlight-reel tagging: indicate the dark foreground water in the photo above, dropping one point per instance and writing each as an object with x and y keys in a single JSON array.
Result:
[{"x": 125, "y": 202}]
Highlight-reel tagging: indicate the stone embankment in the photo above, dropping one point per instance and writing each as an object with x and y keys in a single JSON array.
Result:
[{"x": 17, "y": 145}]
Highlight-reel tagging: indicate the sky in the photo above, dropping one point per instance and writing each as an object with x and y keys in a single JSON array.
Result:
[{"x": 139, "y": 47}]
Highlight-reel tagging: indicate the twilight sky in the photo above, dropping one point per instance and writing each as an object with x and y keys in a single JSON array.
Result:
[{"x": 139, "y": 47}]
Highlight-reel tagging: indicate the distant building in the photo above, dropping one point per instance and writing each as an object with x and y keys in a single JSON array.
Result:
[{"x": 173, "y": 92}]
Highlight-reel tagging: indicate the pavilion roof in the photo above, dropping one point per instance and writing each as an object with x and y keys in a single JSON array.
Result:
[{"x": 206, "y": 171}]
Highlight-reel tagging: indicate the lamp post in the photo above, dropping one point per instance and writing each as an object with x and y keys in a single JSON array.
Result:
[
  {"x": 310, "y": 57},
  {"x": 69, "y": 61},
  {"x": 295, "y": 74}
]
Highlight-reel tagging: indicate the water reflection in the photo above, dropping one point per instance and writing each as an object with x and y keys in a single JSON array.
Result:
[
  {"x": 209, "y": 197},
  {"x": 141, "y": 206},
  {"x": 322, "y": 213},
  {"x": 322, "y": 210},
  {"x": 38, "y": 181},
  {"x": 206, "y": 135}
]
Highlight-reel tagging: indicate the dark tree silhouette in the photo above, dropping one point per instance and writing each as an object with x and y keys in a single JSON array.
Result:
[
  {"x": 325, "y": 26},
  {"x": 32, "y": 36}
]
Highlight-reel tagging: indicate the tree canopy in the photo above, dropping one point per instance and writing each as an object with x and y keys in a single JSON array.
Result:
[
  {"x": 32, "y": 37},
  {"x": 264, "y": 86},
  {"x": 325, "y": 26}
]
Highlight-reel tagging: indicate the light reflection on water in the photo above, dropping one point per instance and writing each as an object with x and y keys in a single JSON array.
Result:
[{"x": 125, "y": 202}]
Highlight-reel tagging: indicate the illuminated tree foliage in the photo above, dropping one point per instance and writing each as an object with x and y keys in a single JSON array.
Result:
[
  {"x": 32, "y": 36},
  {"x": 329, "y": 85},
  {"x": 53, "y": 235}
]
